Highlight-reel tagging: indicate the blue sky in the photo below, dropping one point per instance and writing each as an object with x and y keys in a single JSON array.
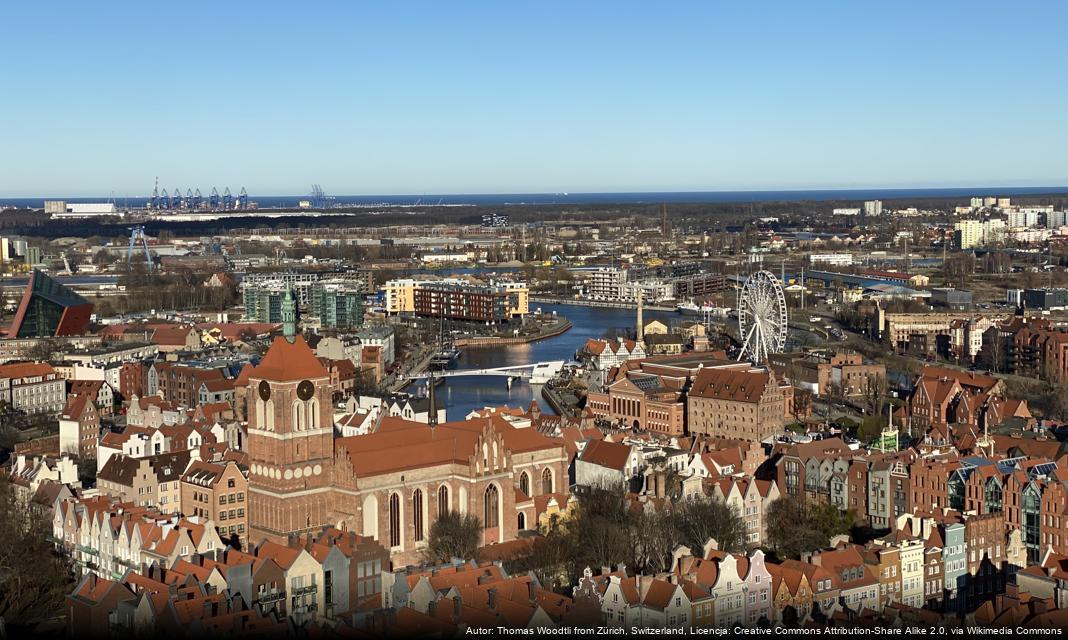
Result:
[{"x": 505, "y": 97}]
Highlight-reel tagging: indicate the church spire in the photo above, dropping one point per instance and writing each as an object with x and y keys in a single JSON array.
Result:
[{"x": 289, "y": 315}]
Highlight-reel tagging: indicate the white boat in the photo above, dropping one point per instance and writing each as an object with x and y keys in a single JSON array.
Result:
[{"x": 689, "y": 308}]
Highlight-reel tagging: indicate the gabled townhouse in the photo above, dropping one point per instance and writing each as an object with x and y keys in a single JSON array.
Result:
[
  {"x": 856, "y": 580},
  {"x": 153, "y": 481},
  {"x": 751, "y": 499},
  {"x": 662, "y": 604},
  {"x": 302, "y": 580},
  {"x": 79, "y": 426},
  {"x": 792, "y": 595}
]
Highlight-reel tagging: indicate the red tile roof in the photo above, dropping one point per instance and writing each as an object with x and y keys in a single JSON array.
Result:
[
  {"x": 611, "y": 455},
  {"x": 730, "y": 384},
  {"x": 289, "y": 361}
]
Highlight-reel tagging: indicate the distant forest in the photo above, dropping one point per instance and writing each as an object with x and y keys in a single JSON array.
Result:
[{"x": 694, "y": 216}]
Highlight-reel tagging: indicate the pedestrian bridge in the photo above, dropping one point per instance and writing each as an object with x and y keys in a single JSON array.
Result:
[{"x": 535, "y": 372}]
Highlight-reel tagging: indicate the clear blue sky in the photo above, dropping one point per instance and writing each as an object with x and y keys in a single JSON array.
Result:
[{"x": 504, "y": 97}]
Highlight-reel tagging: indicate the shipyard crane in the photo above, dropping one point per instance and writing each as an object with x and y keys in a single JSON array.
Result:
[
  {"x": 319, "y": 198},
  {"x": 188, "y": 204},
  {"x": 66, "y": 264},
  {"x": 213, "y": 199},
  {"x": 242, "y": 200},
  {"x": 228, "y": 200},
  {"x": 197, "y": 198},
  {"x": 176, "y": 199},
  {"x": 155, "y": 195},
  {"x": 164, "y": 200},
  {"x": 136, "y": 233}
]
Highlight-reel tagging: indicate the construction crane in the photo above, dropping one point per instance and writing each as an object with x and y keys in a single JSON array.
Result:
[
  {"x": 136, "y": 233},
  {"x": 155, "y": 195},
  {"x": 242, "y": 200}
]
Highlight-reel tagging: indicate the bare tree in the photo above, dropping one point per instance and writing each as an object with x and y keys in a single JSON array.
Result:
[
  {"x": 874, "y": 392},
  {"x": 453, "y": 535}
]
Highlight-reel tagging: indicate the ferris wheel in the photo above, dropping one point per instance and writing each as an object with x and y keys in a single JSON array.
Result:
[{"x": 761, "y": 317}]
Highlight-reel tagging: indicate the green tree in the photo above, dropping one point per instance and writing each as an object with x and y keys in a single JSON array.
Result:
[{"x": 453, "y": 535}]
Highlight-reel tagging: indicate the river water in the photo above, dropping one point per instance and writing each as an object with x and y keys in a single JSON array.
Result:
[{"x": 464, "y": 394}]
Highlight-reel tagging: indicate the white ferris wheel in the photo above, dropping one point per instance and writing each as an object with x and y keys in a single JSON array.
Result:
[{"x": 761, "y": 317}]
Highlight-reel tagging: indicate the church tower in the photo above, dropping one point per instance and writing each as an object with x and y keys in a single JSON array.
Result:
[{"x": 290, "y": 442}]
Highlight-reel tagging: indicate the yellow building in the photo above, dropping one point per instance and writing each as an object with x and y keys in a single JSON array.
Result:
[
  {"x": 400, "y": 295},
  {"x": 521, "y": 306}
]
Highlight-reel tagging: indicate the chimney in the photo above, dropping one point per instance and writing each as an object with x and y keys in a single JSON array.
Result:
[{"x": 491, "y": 599}]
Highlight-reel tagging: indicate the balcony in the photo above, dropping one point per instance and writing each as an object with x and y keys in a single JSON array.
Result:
[
  {"x": 300, "y": 591},
  {"x": 272, "y": 597}
]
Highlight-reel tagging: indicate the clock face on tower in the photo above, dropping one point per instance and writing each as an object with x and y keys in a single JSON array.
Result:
[
  {"x": 265, "y": 391},
  {"x": 305, "y": 390}
]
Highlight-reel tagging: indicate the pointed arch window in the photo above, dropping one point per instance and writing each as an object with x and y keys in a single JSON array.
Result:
[
  {"x": 524, "y": 483},
  {"x": 547, "y": 480},
  {"x": 492, "y": 510},
  {"x": 394, "y": 521},
  {"x": 417, "y": 514},
  {"x": 443, "y": 500}
]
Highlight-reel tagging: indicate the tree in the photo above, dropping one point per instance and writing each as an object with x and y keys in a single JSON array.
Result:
[
  {"x": 34, "y": 580},
  {"x": 708, "y": 517},
  {"x": 875, "y": 393},
  {"x": 453, "y": 535},
  {"x": 43, "y": 350},
  {"x": 795, "y": 527}
]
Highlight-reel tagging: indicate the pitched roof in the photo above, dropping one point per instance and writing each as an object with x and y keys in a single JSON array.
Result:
[
  {"x": 730, "y": 384},
  {"x": 25, "y": 370},
  {"x": 76, "y": 407},
  {"x": 611, "y": 455},
  {"x": 402, "y": 444},
  {"x": 289, "y": 361}
]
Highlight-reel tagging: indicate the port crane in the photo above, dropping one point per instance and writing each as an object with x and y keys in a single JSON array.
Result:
[{"x": 136, "y": 233}]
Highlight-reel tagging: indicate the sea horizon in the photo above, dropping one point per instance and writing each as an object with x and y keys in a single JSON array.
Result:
[{"x": 589, "y": 198}]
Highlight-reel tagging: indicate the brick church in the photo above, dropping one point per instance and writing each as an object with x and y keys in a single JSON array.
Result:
[{"x": 392, "y": 484}]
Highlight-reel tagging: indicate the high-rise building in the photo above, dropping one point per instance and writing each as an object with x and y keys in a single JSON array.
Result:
[
  {"x": 263, "y": 302},
  {"x": 337, "y": 304},
  {"x": 968, "y": 233},
  {"x": 462, "y": 299},
  {"x": 49, "y": 308},
  {"x": 873, "y": 208}
]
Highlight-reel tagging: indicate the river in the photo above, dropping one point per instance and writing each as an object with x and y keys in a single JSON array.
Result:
[{"x": 465, "y": 394}]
